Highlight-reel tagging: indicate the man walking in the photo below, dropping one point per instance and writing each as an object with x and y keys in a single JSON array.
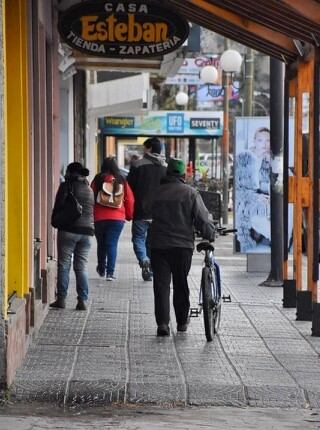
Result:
[
  {"x": 144, "y": 177},
  {"x": 177, "y": 210}
]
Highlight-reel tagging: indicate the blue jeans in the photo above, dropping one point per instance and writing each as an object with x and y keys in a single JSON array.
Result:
[
  {"x": 139, "y": 239},
  {"x": 77, "y": 245},
  {"x": 107, "y": 234}
]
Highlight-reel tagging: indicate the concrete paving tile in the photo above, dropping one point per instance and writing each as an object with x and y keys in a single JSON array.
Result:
[
  {"x": 216, "y": 394},
  {"x": 263, "y": 377},
  {"x": 300, "y": 363},
  {"x": 39, "y": 390},
  {"x": 46, "y": 362},
  {"x": 314, "y": 398},
  {"x": 290, "y": 346},
  {"x": 95, "y": 393},
  {"x": 94, "y": 363},
  {"x": 111, "y": 329},
  {"x": 308, "y": 380},
  {"x": 244, "y": 345},
  {"x": 276, "y": 396},
  {"x": 161, "y": 393},
  {"x": 255, "y": 362}
]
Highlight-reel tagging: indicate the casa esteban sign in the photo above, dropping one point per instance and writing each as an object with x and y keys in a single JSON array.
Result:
[{"x": 124, "y": 29}]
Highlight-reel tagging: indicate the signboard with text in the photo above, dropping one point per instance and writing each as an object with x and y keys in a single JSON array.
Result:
[
  {"x": 189, "y": 72},
  {"x": 164, "y": 123},
  {"x": 122, "y": 29}
]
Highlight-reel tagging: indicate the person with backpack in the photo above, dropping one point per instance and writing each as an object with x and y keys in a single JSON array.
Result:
[
  {"x": 114, "y": 202},
  {"x": 74, "y": 233},
  {"x": 144, "y": 177}
]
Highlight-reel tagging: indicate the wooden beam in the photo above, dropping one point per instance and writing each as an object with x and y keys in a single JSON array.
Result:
[
  {"x": 249, "y": 26},
  {"x": 308, "y": 8}
]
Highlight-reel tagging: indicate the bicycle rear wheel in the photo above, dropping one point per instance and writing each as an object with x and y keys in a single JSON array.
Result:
[{"x": 207, "y": 302}]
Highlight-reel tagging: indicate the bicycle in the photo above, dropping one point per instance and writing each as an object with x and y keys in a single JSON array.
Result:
[{"x": 210, "y": 298}]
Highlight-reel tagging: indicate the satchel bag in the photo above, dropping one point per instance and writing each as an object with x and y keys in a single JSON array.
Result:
[
  {"x": 68, "y": 212},
  {"x": 110, "y": 197}
]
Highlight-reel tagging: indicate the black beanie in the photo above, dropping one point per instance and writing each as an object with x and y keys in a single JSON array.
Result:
[{"x": 77, "y": 168}]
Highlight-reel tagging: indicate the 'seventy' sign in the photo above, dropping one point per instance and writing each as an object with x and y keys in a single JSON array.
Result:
[{"x": 122, "y": 29}]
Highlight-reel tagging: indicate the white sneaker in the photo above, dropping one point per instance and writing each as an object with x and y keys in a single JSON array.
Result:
[{"x": 111, "y": 278}]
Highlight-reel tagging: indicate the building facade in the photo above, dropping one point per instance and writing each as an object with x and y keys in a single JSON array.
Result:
[{"x": 29, "y": 157}]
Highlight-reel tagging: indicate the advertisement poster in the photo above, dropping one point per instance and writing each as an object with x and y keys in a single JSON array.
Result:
[
  {"x": 164, "y": 123},
  {"x": 252, "y": 184}
]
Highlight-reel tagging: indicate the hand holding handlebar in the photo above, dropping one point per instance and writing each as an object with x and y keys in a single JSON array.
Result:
[{"x": 223, "y": 231}]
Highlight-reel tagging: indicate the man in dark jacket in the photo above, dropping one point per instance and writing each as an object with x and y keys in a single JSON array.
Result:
[
  {"x": 144, "y": 177},
  {"x": 177, "y": 210}
]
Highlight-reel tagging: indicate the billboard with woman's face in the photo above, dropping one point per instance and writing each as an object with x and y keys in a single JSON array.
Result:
[{"x": 252, "y": 184}]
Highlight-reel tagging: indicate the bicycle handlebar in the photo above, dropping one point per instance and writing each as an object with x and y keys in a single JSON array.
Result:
[{"x": 223, "y": 231}]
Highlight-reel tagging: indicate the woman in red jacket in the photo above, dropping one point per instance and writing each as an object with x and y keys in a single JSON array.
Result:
[{"x": 114, "y": 204}]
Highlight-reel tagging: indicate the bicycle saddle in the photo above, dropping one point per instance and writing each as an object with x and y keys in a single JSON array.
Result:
[{"x": 205, "y": 246}]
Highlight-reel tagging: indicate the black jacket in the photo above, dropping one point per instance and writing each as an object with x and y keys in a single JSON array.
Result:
[
  {"x": 84, "y": 195},
  {"x": 178, "y": 210},
  {"x": 144, "y": 177}
]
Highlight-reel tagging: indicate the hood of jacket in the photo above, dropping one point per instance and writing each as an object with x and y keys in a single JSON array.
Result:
[{"x": 156, "y": 158}]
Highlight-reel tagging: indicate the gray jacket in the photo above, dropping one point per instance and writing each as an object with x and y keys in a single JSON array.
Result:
[{"x": 178, "y": 210}]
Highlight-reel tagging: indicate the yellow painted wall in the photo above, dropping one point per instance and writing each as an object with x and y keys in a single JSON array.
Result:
[{"x": 17, "y": 171}]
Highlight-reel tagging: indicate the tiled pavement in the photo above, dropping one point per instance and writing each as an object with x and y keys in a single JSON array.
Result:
[{"x": 262, "y": 357}]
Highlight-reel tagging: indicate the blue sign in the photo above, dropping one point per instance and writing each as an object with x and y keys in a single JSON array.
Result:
[{"x": 175, "y": 123}]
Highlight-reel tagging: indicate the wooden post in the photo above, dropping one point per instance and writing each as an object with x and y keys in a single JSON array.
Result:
[{"x": 301, "y": 185}]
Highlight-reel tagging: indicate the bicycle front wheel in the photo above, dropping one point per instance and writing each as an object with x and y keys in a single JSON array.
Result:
[
  {"x": 216, "y": 317},
  {"x": 207, "y": 302}
]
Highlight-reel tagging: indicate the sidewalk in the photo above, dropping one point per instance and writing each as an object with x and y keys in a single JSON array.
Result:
[{"x": 263, "y": 357}]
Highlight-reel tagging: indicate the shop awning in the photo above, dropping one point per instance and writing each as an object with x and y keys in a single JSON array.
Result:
[{"x": 283, "y": 29}]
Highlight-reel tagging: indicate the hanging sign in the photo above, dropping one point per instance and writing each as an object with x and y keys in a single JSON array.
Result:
[{"x": 125, "y": 29}]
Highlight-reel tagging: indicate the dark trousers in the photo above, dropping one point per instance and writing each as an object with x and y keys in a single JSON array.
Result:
[{"x": 175, "y": 262}]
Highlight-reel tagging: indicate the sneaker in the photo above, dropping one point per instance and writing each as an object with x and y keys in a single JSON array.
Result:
[
  {"x": 111, "y": 277},
  {"x": 101, "y": 273},
  {"x": 163, "y": 330},
  {"x": 146, "y": 271}
]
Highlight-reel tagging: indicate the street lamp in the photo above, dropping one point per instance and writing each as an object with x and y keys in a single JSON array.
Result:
[
  {"x": 182, "y": 98},
  {"x": 230, "y": 62}
]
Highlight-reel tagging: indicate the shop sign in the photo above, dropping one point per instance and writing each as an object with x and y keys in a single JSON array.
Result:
[
  {"x": 164, "y": 123},
  {"x": 207, "y": 123},
  {"x": 125, "y": 29},
  {"x": 119, "y": 122}
]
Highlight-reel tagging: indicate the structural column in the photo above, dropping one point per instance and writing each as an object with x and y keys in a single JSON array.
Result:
[{"x": 276, "y": 185}]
